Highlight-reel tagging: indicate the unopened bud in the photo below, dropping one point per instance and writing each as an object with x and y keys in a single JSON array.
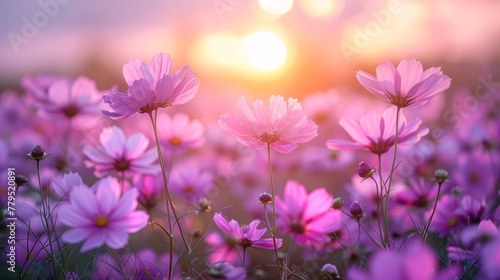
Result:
[
  {"x": 21, "y": 180},
  {"x": 338, "y": 202},
  {"x": 265, "y": 198},
  {"x": 441, "y": 175},
  {"x": 329, "y": 271},
  {"x": 205, "y": 205},
  {"x": 365, "y": 170},
  {"x": 37, "y": 153},
  {"x": 357, "y": 210}
]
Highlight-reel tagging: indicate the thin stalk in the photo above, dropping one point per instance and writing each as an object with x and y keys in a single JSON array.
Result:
[
  {"x": 244, "y": 254},
  {"x": 46, "y": 209},
  {"x": 115, "y": 256},
  {"x": 274, "y": 229},
  {"x": 379, "y": 200},
  {"x": 388, "y": 187},
  {"x": 383, "y": 187},
  {"x": 170, "y": 204},
  {"x": 424, "y": 233}
]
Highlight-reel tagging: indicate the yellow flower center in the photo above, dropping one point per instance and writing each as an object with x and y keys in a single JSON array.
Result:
[
  {"x": 101, "y": 221},
  {"x": 452, "y": 222},
  {"x": 175, "y": 140}
]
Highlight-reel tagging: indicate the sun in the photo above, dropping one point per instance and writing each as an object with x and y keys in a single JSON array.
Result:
[{"x": 265, "y": 50}]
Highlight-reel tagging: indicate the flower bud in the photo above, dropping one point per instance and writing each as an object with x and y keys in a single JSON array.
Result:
[
  {"x": 205, "y": 205},
  {"x": 329, "y": 271},
  {"x": 365, "y": 170},
  {"x": 338, "y": 202},
  {"x": 441, "y": 175},
  {"x": 265, "y": 198},
  {"x": 357, "y": 210},
  {"x": 21, "y": 180},
  {"x": 37, "y": 153}
]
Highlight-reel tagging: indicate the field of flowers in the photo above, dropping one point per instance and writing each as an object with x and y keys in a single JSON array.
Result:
[{"x": 395, "y": 178}]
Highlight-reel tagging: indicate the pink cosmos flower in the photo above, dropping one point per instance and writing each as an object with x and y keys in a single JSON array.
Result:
[
  {"x": 101, "y": 217},
  {"x": 407, "y": 85},
  {"x": 307, "y": 218},
  {"x": 418, "y": 262},
  {"x": 191, "y": 183},
  {"x": 120, "y": 155},
  {"x": 246, "y": 235},
  {"x": 151, "y": 87},
  {"x": 150, "y": 188},
  {"x": 177, "y": 133},
  {"x": 221, "y": 249},
  {"x": 64, "y": 183},
  {"x": 37, "y": 87},
  {"x": 72, "y": 99},
  {"x": 282, "y": 124},
  {"x": 377, "y": 133}
]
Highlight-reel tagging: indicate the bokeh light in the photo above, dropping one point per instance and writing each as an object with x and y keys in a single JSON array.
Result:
[
  {"x": 276, "y": 7},
  {"x": 265, "y": 50},
  {"x": 322, "y": 8}
]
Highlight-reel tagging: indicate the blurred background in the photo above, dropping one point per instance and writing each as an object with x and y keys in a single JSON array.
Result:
[
  {"x": 307, "y": 49},
  {"x": 259, "y": 47}
]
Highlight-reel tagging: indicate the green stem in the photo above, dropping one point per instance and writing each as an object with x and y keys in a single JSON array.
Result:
[
  {"x": 379, "y": 201},
  {"x": 383, "y": 187},
  {"x": 426, "y": 229},
  {"x": 169, "y": 202},
  {"x": 44, "y": 211},
  {"x": 274, "y": 229},
  {"x": 391, "y": 175}
]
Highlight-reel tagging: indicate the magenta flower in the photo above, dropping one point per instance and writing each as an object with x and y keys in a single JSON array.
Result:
[
  {"x": 377, "y": 133},
  {"x": 151, "y": 87},
  {"x": 221, "y": 249},
  {"x": 120, "y": 155},
  {"x": 282, "y": 124},
  {"x": 308, "y": 218},
  {"x": 246, "y": 235},
  {"x": 150, "y": 188},
  {"x": 177, "y": 133},
  {"x": 407, "y": 85},
  {"x": 101, "y": 217},
  {"x": 418, "y": 262}
]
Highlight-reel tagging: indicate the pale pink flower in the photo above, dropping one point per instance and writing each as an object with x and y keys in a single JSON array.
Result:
[
  {"x": 221, "y": 249},
  {"x": 307, "y": 218},
  {"x": 246, "y": 235},
  {"x": 178, "y": 133},
  {"x": 191, "y": 183},
  {"x": 407, "y": 85},
  {"x": 72, "y": 99},
  {"x": 151, "y": 87},
  {"x": 101, "y": 217},
  {"x": 62, "y": 184},
  {"x": 281, "y": 124},
  {"x": 377, "y": 133},
  {"x": 117, "y": 154}
]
